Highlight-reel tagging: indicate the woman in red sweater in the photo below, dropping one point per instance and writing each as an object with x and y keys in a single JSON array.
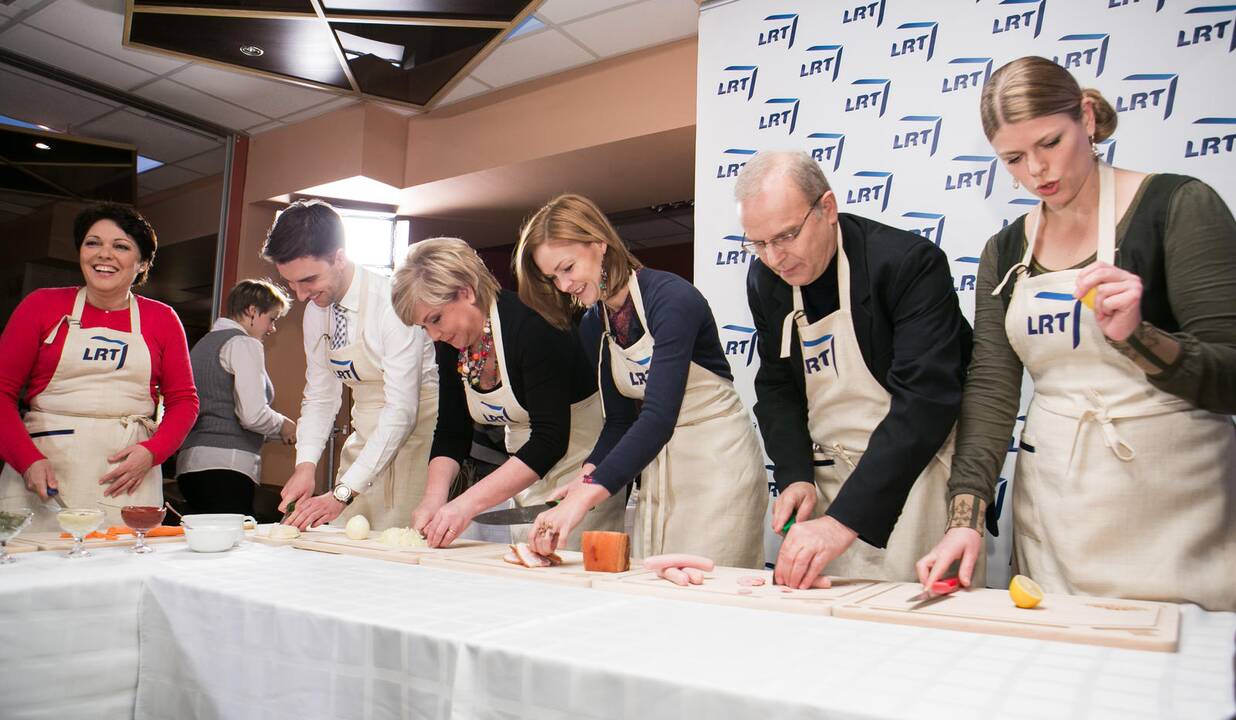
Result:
[{"x": 93, "y": 361}]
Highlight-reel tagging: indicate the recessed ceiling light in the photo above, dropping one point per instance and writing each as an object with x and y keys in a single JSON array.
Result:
[
  {"x": 42, "y": 146},
  {"x": 252, "y": 50}
]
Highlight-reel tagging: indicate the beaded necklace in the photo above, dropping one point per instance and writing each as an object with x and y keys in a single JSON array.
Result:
[{"x": 472, "y": 364}]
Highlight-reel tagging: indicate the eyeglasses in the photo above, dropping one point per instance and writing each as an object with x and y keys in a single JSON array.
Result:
[{"x": 759, "y": 248}]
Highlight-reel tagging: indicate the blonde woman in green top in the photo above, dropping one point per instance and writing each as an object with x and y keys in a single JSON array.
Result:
[{"x": 1118, "y": 295}]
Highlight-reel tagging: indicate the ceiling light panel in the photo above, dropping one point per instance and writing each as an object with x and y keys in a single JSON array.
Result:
[{"x": 411, "y": 52}]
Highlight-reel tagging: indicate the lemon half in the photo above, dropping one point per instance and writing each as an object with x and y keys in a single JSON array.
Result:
[
  {"x": 1088, "y": 298},
  {"x": 1025, "y": 592}
]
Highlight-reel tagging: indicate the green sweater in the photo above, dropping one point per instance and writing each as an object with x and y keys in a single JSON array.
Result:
[{"x": 1179, "y": 236}]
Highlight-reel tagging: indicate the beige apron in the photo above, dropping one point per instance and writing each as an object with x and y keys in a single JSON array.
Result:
[
  {"x": 706, "y": 491},
  {"x": 96, "y": 404},
  {"x": 397, "y": 489},
  {"x": 500, "y": 407},
  {"x": 845, "y": 404},
  {"x": 1121, "y": 489}
]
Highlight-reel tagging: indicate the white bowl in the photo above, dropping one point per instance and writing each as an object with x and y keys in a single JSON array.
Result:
[
  {"x": 211, "y": 539},
  {"x": 232, "y": 524}
]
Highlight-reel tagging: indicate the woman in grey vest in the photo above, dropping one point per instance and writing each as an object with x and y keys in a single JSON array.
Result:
[{"x": 220, "y": 463}]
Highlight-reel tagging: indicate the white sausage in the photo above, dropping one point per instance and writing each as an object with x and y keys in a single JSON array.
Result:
[
  {"x": 695, "y": 575},
  {"x": 678, "y": 560},
  {"x": 676, "y": 576}
]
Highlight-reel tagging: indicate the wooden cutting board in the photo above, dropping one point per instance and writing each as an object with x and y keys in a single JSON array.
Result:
[
  {"x": 571, "y": 572},
  {"x": 12, "y": 547},
  {"x": 340, "y": 544},
  {"x": 53, "y": 541},
  {"x": 1132, "y": 624},
  {"x": 257, "y": 536},
  {"x": 721, "y": 587}
]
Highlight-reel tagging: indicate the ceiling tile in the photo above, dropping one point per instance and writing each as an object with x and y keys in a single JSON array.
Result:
[
  {"x": 188, "y": 100},
  {"x": 45, "y": 104},
  {"x": 529, "y": 57},
  {"x": 465, "y": 89},
  {"x": 18, "y": 7},
  {"x": 560, "y": 11},
  {"x": 69, "y": 56},
  {"x": 636, "y": 26},
  {"x": 268, "y": 97},
  {"x": 208, "y": 163},
  {"x": 163, "y": 178},
  {"x": 320, "y": 109},
  {"x": 154, "y": 139},
  {"x": 98, "y": 25}
]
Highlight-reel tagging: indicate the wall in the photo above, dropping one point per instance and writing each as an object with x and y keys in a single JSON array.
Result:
[
  {"x": 644, "y": 94},
  {"x": 885, "y": 95}
]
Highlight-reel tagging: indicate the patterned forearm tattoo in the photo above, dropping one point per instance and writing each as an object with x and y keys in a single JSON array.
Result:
[
  {"x": 967, "y": 511},
  {"x": 1151, "y": 349}
]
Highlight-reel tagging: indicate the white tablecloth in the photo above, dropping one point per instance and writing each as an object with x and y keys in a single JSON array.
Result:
[
  {"x": 68, "y": 635},
  {"x": 279, "y": 633}
]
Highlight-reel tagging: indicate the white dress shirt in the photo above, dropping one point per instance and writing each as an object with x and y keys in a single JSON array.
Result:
[
  {"x": 406, "y": 357},
  {"x": 244, "y": 357}
]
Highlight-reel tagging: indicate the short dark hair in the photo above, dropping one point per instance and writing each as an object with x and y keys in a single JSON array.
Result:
[
  {"x": 261, "y": 294},
  {"x": 128, "y": 219},
  {"x": 306, "y": 228}
]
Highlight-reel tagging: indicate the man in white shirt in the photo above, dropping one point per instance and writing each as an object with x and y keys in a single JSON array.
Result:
[{"x": 353, "y": 337}]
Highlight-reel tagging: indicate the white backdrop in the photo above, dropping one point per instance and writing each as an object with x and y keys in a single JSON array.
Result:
[{"x": 885, "y": 96}]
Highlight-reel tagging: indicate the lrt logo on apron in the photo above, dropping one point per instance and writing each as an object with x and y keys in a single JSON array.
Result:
[
  {"x": 117, "y": 353},
  {"x": 825, "y": 358},
  {"x": 639, "y": 376},
  {"x": 346, "y": 370},
  {"x": 498, "y": 416},
  {"x": 1053, "y": 323}
]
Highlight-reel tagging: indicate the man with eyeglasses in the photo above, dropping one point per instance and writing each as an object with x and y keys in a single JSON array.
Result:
[{"x": 863, "y": 352}]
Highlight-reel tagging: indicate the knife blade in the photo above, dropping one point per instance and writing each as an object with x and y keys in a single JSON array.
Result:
[{"x": 513, "y": 516}]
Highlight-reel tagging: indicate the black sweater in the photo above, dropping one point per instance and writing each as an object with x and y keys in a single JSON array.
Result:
[
  {"x": 915, "y": 343},
  {"x": 683, "y": 331},
  {"x": 546, "y": 372}
]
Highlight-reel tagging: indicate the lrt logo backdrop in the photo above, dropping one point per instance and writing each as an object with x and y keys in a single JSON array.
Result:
[{"x": 884, "y": 96}]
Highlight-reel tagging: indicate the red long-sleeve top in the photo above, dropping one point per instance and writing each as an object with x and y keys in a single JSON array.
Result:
[{"x": 25, "y": 361}]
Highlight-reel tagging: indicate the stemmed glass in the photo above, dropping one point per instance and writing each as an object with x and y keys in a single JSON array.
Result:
[
  {"x": 143, "y": 519},
  {"x": 79, "y": 522},
  {"x": 11, "y": 523}
]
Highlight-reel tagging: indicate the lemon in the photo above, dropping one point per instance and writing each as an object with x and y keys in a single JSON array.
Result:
[
  {"x": 1088, "y": 298},
  {"x": 1025, "y": 592}
]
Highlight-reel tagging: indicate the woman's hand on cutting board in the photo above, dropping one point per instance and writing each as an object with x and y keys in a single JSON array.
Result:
[{"x": 960, "y": 542}]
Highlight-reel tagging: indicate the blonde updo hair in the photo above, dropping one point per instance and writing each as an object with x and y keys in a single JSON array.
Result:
[
  {"x": 1033, "y": 87},
  {"x": 434, "y": 272},
  {"x": 567, "y": 218}
]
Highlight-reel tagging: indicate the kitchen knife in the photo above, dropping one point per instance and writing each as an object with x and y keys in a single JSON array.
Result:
[
  {"x": 513, "y": 516},
  {"x": 939, "y": 590},
  {"x": 53, "y": 501}
]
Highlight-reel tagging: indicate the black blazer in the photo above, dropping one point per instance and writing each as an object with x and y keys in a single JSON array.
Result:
[
  {"x": 915, "y": 343},
  {"x": 547, "y": 374}
]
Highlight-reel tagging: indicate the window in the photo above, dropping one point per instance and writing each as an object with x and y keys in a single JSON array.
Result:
[{"x": 375, "y": 240}]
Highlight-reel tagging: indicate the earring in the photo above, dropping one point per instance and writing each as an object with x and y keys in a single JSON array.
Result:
[
  {"x": 1016, "y": 185},
  {"x": 1094, "y": 148},
  {"x": 604, "y": 284}
]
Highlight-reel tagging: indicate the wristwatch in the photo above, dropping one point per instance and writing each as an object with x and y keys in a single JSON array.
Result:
[{"x": 344, "y": 494}]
